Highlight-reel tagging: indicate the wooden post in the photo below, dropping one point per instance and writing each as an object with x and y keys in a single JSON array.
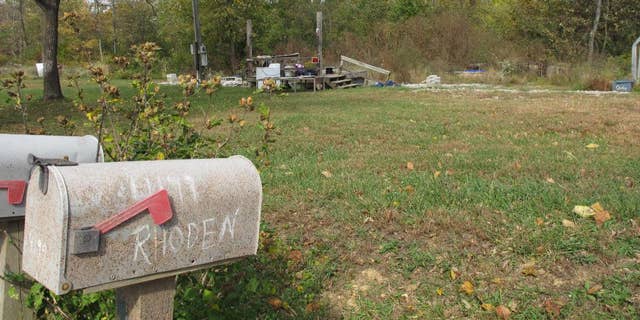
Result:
[
  {"x": 319, "y": 34},
  {"x": 152, "y": 300},
  {"x": 249, "y": 61},
  {"x": 11, "y": 235}
]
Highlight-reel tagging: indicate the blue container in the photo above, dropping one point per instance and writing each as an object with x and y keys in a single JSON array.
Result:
[{"x": 622, "y": 85}]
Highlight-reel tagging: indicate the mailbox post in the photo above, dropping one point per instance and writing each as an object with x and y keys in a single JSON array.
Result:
[
  {"x": 14, "y": 173},
  {"x": 135, "y": 225}
]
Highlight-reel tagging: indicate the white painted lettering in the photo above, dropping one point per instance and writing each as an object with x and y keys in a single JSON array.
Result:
[
  {"x": 205, "y": 245},
  {"x": 164, "y": 242},
  {"x": 133, "y": 188},
  {"x": 174, "y": 240},
  {"x": 175, "y": 182},
  {"x": 176, "y": 231},
  {"x": 228, "y": 226},
  {"x": 191, "y": 227},
  {"x": 192, "y": 186},
  {"x": 149, "y": 185},
  {"x": 140, "y": 243}
]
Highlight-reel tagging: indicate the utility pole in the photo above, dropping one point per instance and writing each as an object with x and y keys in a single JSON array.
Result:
[
  {"x": 319, "y": 34},
  {"x": 198, "y": 49},
  {"x": 113, "y": 21},
  {"x": 249, "y": 60},
  {"x": 98, "y": 9}
]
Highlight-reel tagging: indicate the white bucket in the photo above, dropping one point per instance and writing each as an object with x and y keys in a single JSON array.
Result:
[{"x": 40, "y": 69}]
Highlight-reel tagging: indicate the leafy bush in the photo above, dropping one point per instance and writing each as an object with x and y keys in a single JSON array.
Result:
[{"x": 149, "y": 126}]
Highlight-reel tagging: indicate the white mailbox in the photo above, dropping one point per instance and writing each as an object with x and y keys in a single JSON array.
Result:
[
  {"x": 108, "y": 225},
  {"x": 15, "y": 168}
]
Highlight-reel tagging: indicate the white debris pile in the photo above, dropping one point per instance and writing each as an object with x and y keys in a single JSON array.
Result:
[
  {"x": 172, "y": 78},
  {"x": 432, "y": 80}
]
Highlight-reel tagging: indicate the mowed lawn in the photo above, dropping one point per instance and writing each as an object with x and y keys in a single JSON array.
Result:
[
  {"x": 444, "y": 204},
  {"x": 414, "y": 193}
]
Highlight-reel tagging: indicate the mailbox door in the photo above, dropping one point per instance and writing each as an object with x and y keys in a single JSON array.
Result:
[
  {"x": 216, "y": 214},
  {"x": 14, "y": 167}
]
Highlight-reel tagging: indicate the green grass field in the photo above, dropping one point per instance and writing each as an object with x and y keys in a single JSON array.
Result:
[{"x": 397, "y": 197}]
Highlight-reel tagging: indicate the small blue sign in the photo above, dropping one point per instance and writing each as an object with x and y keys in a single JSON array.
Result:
[{"x": 622, "y": 85}]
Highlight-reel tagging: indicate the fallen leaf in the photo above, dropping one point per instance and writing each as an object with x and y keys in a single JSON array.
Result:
[
  {"x": 439, "y": 291},
  {"x": 550, "y": 180},
  {"x": 517, "y": 165},
  {"x": 454, "y": 273},
  {"x": 295, "y": 256},
  {"x": 488, "y": 307},
  {"x": 552, "y": 308},
  {"x": 592, "y": 146},
  {"x": 389, "y": 214},
  {"x": 327, "y": 174},
  {"x": 601, "y": 215},
  {"x": 436, "y": 174},
  {"x": 503, "y": 312},
  {"x": 529, "y": 270},
  {"x": 583, "y": 211},
  {"x": 568, "y": 223},
  {"x": 312, "y": 307},
  {"x": 628, "y": 182},
  {"x": 275, "y": 303},
  {"x": 449, "y": 172},
  {"x": 594, "y": 289},
  {"x": 410, "y": 166},
  {"x": 539, "y": 221},
  {"x": 467, "y": 287}
]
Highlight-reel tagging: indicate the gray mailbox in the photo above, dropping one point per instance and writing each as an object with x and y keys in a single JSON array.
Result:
[
  {"x": 14, "y": 167},
  {"x": 107, "y": 225}
]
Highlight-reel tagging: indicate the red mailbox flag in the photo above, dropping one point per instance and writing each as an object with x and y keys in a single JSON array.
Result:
[
  {"x": 157, "y": 204},
  {"x": 15, "y": 190}
]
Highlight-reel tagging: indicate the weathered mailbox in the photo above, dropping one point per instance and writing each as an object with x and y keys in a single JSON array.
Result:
[
  {"x": 14, "y": 168},
  {"x": 107, "y": 225}
]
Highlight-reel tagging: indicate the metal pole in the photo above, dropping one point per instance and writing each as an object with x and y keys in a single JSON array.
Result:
[
  {"x": 197, "y": 38},
  {"x": 151, "y": 300},
  {"x": 634, "y": 60}
]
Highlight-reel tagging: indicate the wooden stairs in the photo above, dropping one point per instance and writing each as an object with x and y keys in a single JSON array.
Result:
[{"x": 339, "y": 81}]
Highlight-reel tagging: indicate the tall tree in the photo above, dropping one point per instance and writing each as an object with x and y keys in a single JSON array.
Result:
[
  {"x": 52, "y": 89},
  {"x": 592, "y": 34}
]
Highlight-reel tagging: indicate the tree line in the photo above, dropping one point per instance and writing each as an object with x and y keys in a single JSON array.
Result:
[{"x": 406, "y": 36}]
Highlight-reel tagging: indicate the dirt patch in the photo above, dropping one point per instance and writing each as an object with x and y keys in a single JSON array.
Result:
[{"x": 346, "y": 298}]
